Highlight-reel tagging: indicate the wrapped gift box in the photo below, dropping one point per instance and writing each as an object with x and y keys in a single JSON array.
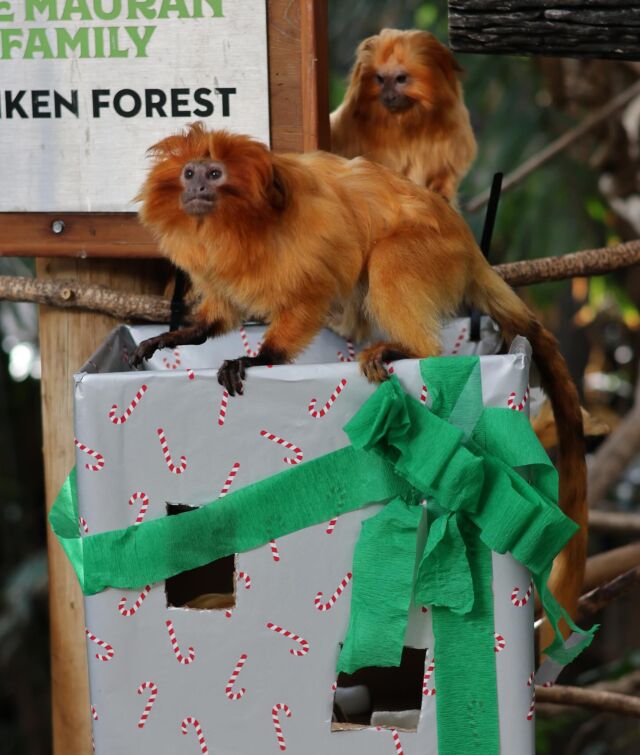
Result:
[{"x": 253, "y": 671}]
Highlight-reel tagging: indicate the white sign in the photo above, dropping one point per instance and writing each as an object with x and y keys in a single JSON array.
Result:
[{"x": 87, "y": 86}]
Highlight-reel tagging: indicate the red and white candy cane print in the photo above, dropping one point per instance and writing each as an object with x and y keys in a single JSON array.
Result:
[
  {"x": 191, "y": 375},
  {"x": 245, "y": 343},
  {"x": 289, "y": 446},
  {"x": 244, "y": 577},
  {"x": 304, "y": 645},
  {"x": 140, "y": 495},
  {"x": 320, "y": 413},
  {"x": 331, "y": 526},
  {"x": 153, "y": 693},
  {"x": 275, "y": 552},
  {"x": 396, "y": 739},
  {"x": 83, "y": 523},
  {"x": 332, "y": 600},
  {"x": 424, "y": 392},
  {"x": 428, "y": 688},
  {"x": 94, "y": 713},
  {"x": 224, "y": 403},
  {"x": 275, "y": 711},
  {"x": 191, "y": 654},
  {"x": 532, "y": 705},
  {"x": 351, "y": 353},
  {"x": 191, "y": 721},
  {"x": 167, "y": 456},
  {"x": 230, "y": 478},
  {"x": 517, "y": 601},
  {"x": 108, "y": 650},
  {"x": 120, "y": 420},
  {"x": 94, "y": 455},
  {"x": 134, "y": 609},
  {"x": 232, "y": 680},
  {"x": 500, "y": 643},
  {"x": 459, "y": 341},
  {"x": 513, "y": 404},
  {"x": 172, "y": 365}
]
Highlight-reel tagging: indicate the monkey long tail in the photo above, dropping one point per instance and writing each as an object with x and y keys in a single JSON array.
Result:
[{"x": 491, "y": 294}]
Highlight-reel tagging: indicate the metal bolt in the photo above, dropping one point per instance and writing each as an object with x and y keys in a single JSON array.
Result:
[{"x": 57, "y": 226}]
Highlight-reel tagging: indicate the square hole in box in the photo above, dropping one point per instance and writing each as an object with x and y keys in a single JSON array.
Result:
[
  {"x": 207, "y": 587},
  {"x": 376, "y": 696}
]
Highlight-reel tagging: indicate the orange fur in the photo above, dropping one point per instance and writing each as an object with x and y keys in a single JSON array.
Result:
[
  {"x": 290, "y": 236},
  {"x": 432, "y": 142}
]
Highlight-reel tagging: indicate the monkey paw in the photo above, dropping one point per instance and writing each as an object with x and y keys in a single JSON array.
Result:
[
  {"x": 232, "y": 373},
  {"x": 373, "y": 361},
  {"x": 146, "y": 350}
]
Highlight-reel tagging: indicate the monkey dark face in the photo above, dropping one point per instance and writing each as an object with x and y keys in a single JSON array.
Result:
[
  {"x": 201, "y": 180},
  {"x": 392, "y": 92}
]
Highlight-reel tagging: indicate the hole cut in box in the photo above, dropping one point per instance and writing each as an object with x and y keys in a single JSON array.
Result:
[
  {"x": 206, "y": 588},
  {"x": 381, "y": 697}
]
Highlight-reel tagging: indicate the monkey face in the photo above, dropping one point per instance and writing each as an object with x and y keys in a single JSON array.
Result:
[
  {"x": 201, "y": 181},
  {"x": 393, "y": 85}
]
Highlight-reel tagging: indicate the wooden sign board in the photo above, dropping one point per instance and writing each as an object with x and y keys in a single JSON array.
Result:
[
  {"x": 561, "y": 28},
  {"x": 88, "y": 85}
]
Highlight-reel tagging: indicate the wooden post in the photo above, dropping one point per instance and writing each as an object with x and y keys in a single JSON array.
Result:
[{"x": 298, "y": 93}]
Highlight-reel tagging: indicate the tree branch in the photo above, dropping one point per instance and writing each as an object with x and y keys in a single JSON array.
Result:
[
  {"x": 606, "y": 566},
  {"x": 72, "y": 294},
  {"x": 614, "y": 521},
  {"x": 598, "y": 598},
  {"x": 612, "y": 702},
  {"x": 559, "y": 145}
]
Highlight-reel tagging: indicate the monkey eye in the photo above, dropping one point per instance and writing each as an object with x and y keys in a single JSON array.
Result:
[
  {"x": 188, "y": 173},
  {"x": 380, "y": 79},
  {"x": 214, "y": 174},
  {"x": 401, "y": 78}
]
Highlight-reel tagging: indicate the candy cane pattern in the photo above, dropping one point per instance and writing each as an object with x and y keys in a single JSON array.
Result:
[
  {"x": 519, "y": 602},
  {"x": 230, "y": 478},
  {"x": 424, "y": 392},
  {"x": 396, "y": 739},
  {"x": 532, "y": 706},
  {"x": 459, "y": 341},
  {"x": 174, "y": 645},
  {"x": 276, "y": 722},
  {"x": 351, "y": 353},
  {"x": 83, "y": 523},
  {"x": 332, "y": 600},
  {"x": 289, "y": 446},
  {"x": 275, "y": 553},
  {"x": 172, "y": 365},
  {"x": 153, "y": 693},
  {"x": 134, "y": 609},
  {"x": 427, "y": 690},
  {"x": 109, "y": 651},
  {"x": 500, "y": 642},
  {"x": 232, "y": 680},
  {"x": 247, "y": 585},
  {"x": 389, "y": 368},
  {"x": 304, "y": 645},
  {"x": 94, "y": 713},
  {"x": 167, "y": 456},
  {"x": 222, "y": 412},
  {"x": 127, "y": 412},
  {"x": 196, "y": 725},
  {"x": 319, "y": 413},
  {"x": 143, "y": 506},
  {"x": 191, "y": 374},
  {"x": 245, "y": 343},
  {"x": 331, "y": 526},
  {"x": 511, "y": 403},
  {"x": 94, "y": 454}
]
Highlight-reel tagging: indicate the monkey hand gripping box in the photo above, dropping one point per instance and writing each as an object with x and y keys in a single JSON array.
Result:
[{"x": 277, "y": 571}]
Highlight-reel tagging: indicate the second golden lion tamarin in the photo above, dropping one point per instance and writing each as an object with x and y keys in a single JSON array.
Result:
[
  {"x": 287, "y": 236},
  {"x": 404, "y": 109}
]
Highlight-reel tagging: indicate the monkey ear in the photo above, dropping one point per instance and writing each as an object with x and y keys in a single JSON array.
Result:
[{"x": 277, "y": 191}]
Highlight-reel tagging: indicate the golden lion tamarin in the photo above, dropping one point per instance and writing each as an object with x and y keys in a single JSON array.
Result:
[
  {"x": 404, "y": 108},
  {"x": 286, "y": 236}
]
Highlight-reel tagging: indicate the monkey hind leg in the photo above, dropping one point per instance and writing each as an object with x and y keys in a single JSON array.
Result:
[{"x": 373, "y": 360}]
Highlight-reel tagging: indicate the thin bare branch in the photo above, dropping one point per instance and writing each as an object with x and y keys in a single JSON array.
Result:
[
  {"x": 612, "y": 702},
  {"x": 559, "y": 145},
  {"x": 606, "y": 566},
  {"x": 614, "y": 521},
  {"x": 598, "y": 598}
]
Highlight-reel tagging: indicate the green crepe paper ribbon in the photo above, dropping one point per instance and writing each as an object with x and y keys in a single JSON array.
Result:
[{"x": 458, "y": 453}]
